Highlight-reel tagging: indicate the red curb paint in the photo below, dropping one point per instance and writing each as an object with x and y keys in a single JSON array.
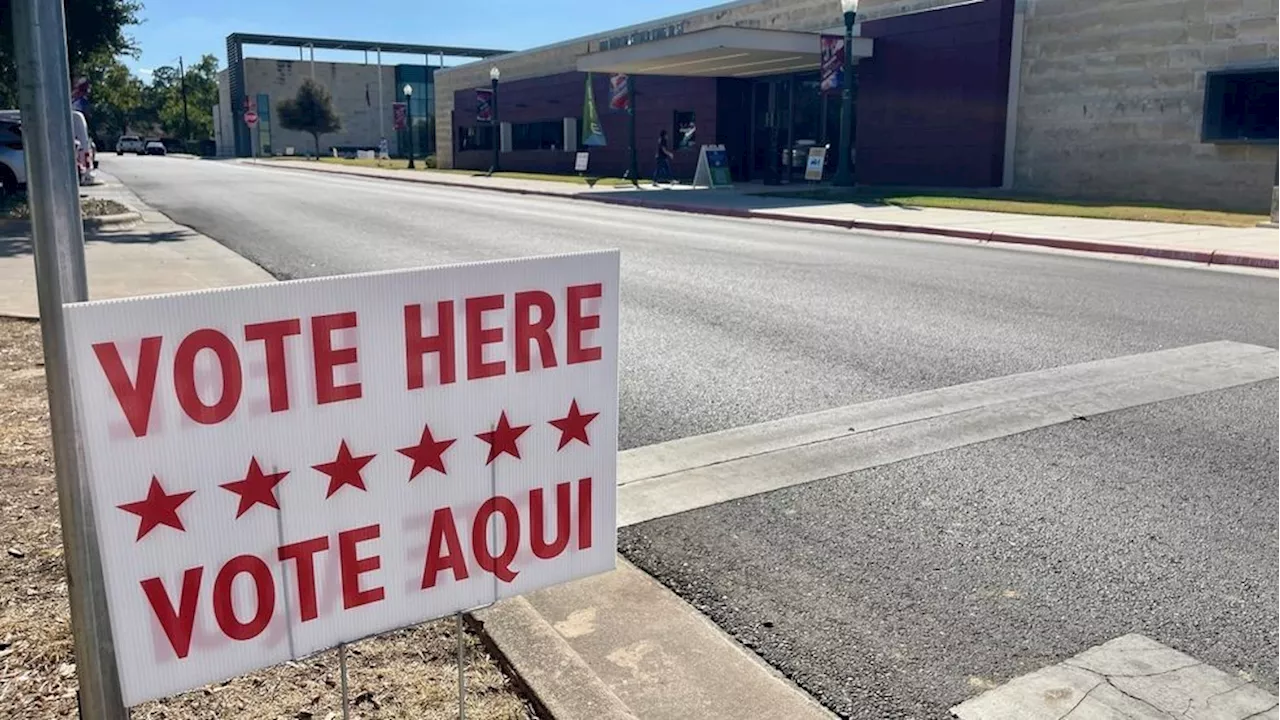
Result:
[{"x": 1257, "y": 261}]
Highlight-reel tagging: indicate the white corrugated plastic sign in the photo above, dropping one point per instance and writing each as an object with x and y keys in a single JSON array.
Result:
[{"x": 278, "y": 469}]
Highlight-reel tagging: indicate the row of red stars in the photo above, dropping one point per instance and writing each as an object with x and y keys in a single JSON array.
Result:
[{"x": 257, "y": 487}]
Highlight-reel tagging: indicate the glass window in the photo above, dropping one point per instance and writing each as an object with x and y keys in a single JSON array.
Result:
[
  {"x": 1240, "y": 106},
  {"x": 475, "y": 137},
  {"x": 542, "y": 135},
  {"x": 686, "y": 130}
]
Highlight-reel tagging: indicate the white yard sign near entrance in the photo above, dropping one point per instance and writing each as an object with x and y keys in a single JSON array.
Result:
[{"x": 279, "y": 469}]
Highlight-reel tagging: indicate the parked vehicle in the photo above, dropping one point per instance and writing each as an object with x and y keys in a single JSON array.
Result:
[
  {"x": 84, "y": 146},
  {"x": 155, "y": 147},
  {"x": 130, "y": 144},
  {"x": 13, "y": 168}
]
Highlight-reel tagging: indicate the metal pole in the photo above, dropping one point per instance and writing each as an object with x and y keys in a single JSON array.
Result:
[
  {"x": 40, "y": 46},
  {"x": 634, "y": 169},
  {"x": 382, "y": 132},
  {"x": 342, "y": 671},
  {"x": 497, "y": 131},
  {"x": 186, "y": 121},
  {"x": 312, "y": 50},
  {"x": 408, "y": 118},
  {"x": 844, "y": 171},
  {"x": 1275, "y": 196},
  {"x": 462, "y": 667}
]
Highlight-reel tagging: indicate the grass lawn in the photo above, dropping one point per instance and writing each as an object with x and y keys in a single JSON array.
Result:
[
  {"x": 1006, "y": 202},
  {"x": 401, "y": 164}
]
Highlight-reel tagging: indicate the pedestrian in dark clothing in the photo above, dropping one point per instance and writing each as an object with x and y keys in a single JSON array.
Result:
[{"x": 662, "y": 169}]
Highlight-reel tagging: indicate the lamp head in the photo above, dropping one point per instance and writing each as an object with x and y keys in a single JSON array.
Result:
[{"x": 495, "y": 73}]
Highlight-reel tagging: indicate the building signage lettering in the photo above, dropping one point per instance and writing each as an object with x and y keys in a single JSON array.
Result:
[
  {"x": 643, "y": 36},
  {"x": 910, "y": 7}
]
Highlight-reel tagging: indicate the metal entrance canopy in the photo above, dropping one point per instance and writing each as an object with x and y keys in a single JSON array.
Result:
[{"x": 718, "y": 52}]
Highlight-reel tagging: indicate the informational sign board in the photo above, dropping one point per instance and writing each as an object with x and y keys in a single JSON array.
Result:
[
  {"x": 251, "y": 118},
  {"x": 817, "y": 160},
  {"x": 400, "y": 115},
  {"x": 278, "y": 469},
  {"x": 384, "y": 149},
  {"x": 831, "y": 58},
  {"x": 580, "y": 161},
  {"x": 713, "y": 167}
]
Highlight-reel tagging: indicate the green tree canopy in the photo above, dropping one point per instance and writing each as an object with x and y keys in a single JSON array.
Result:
[
  {"x": 95, "y": 31},
  {"x": 310, "y": 111}
]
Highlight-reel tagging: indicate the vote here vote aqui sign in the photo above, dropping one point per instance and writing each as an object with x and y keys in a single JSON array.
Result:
[{"x": 278, "y": 469}]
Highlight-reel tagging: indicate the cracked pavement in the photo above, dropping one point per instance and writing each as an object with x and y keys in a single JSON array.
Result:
[{"x": 1129, "y": 677}]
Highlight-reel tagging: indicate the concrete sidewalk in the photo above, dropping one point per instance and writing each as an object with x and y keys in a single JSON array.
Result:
[
  {"x": 154, "y": 256},
  {"x": 1248, "y": 247}
]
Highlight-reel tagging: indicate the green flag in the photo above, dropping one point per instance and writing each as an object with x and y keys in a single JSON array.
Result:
[{"x": 592, "y": 130}]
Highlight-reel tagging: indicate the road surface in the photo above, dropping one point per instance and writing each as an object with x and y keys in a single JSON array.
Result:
[{"x": 898, "y": 590}]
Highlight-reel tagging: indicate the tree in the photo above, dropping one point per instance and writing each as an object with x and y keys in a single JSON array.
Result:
[
  {"x": 95, "y": 30},
  {"x": 117, "y": 102},
  {"x": 310, "y": 111}
]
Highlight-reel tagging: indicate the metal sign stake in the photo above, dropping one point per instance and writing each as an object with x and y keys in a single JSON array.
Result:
[
  {"x": 462, "y": 670},
  {"x": 40, "y": 45},
  {"x": 342, "y": 671}
]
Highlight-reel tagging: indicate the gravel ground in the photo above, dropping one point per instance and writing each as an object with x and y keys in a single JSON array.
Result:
[{"x": 404, "y": 674}]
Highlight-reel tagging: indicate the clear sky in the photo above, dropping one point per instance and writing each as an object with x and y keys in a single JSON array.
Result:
[{"x": 191, "y": 28}]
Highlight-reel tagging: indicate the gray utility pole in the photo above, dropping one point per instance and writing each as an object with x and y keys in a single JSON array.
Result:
[
  {"x": 40, "y": 45},
  {"x": 186, "y": 121}
]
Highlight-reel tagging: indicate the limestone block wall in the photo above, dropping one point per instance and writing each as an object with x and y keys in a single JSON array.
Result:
[
  {"x": 795, "y": 15},
  {"x": 1112, "y": 100},
  {"x": 355, "y": 99}
]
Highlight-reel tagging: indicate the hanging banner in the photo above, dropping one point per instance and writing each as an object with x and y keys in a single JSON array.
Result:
[
  {"x": 592, "y": 130},
  {"x": 400, "y": 115},
  {"x": 832, "y": 62},
  {"x": 619, "y": 93},
  {"x": 484, "y": 106},
  {"x": 278, "y": 469}
]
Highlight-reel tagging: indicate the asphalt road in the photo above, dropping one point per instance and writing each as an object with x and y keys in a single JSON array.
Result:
[{"x": 887, "y": 590}]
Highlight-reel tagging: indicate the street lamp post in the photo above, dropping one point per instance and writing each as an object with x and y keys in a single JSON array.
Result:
[
  {"x": 844, "y": 171},
  {"x": 494, "y": 75},
  {"x": 408, "y": 116}
]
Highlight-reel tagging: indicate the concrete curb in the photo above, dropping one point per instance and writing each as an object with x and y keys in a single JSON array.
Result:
[
  {"x": 1202, "y": 257},
  {"x": 558, "y": 682},
  {"x": 92, "y": 224}
]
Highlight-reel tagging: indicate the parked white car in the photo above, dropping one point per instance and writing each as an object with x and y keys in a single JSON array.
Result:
[
  {"x": 130, "y": 144},
  {"x": 13, "y": 167},
  {"x": 155, "y": 147}
]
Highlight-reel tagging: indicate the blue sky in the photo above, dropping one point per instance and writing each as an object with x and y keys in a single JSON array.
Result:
[{"x": 191, "y": 28}]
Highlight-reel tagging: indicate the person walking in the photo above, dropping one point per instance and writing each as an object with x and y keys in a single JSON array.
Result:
[{"x": 662, "y": 168}]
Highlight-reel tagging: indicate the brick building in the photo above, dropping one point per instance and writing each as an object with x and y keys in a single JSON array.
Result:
[{"x": 1163, "y": 100}]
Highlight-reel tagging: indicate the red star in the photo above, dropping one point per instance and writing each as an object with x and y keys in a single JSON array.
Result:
[
  {"x": 502, "y": 439},
  {"x": 428, "y": 453},
  {"x": 256, "y": 488},
  {"x": 344, "y": 470},
  {"x": 573, "y": 426},
  {"x": 159, "y": 508}
]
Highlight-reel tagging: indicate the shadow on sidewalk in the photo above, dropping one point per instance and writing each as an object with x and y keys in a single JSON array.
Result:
[{"x": 17, "y": 244}]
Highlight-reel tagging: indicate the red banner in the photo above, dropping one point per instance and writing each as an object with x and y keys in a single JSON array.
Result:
[
  {"x": 400, "y": 115},
  {"x": 484, "y": 106},
  {"x": 619, "y": 93},
  {"x": 832, "y": 55}
]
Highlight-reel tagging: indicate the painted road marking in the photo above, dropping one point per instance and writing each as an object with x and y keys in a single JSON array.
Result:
[{"x": 691, "y": 473}]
